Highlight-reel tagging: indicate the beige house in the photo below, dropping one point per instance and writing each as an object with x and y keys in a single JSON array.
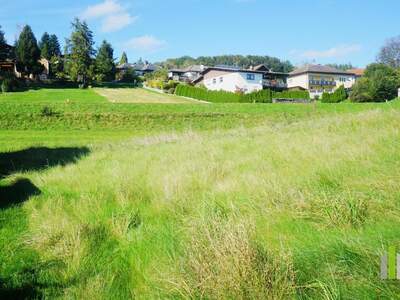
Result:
[{"x": 318, "y": 79}]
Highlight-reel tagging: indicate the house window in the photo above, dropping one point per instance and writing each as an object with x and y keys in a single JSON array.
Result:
[
  {"x": 214, "y": 80},
  {"x": 251, "y": 77},
  {"x": 221, "y": 79}
]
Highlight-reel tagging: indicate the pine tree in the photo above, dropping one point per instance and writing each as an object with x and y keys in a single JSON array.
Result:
[
  {"x": 55, "y": 49},
  {"x": 3, "y": 41},
  {"x": 44, "y": 46},
  {"x": 3, "y": 46},
  {"x": 105, "y": 66},
  {"x": 28, "y": 53},
  {"x": 79, "y": 52},
  {"x": 124, "y": 59}
]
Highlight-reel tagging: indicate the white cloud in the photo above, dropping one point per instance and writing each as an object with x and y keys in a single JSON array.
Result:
[
  {"x": 146, "y": 43},
  {"x": 113, "y": 15},
  {"x": 117, "y": 22},
  {"x": 103, "y": 9},
  {"x": 335, "y": 52}
]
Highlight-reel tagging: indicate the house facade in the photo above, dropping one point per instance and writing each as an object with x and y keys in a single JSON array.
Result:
[
  {"x": 272, "y": 80},
  {"x": 231, "y": 79},
  {"x": 318, "y": 79},
  {"x": 188, "y": 74}
]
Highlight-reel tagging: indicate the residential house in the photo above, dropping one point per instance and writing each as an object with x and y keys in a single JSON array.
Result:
[
  {"x": 231, "y": 79},
  {"x": 140, "y": 68},
  {"x": 272, "y": 80},
  {"x": 7, "y": 59},
  {"x": 188, "y": 74},
  {"x": 318, "y": 79},
  {"x": 358, "y": 72},
  {"x": 8, "y": 64}
]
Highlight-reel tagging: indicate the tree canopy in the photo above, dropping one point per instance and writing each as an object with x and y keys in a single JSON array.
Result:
[
  {"x": 124, "y": 58},
  {"x": 380, "y": 83},
  {"x": 79, "y": 52},
  {"x": 105, "y": 66},
  {"x": 390, "y": 53},
  {"x": 233, "y": 60},
  {"x": 44, "y": 46},
  {"x": 342, "y": 67},
  {"x": 28, "y": 53}
]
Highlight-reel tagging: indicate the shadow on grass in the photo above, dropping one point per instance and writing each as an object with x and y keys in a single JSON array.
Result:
[
  {"x": 17, "y": 193},
  {"x": 34, "y": 159},
  {"x": 24, "y": 292},
  {"x": 22, "y": 275}
]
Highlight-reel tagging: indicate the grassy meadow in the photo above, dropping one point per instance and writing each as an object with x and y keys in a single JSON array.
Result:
[{"x": 102, "y": 200}]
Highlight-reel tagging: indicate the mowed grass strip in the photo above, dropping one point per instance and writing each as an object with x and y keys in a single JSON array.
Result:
[
  {"x": 140, "y": 95},
  {"x": 49, "y": 96},
  {"x": 295, "y": 210}
]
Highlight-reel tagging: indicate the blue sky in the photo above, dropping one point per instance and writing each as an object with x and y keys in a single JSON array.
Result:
[{"x": 324, "y": 31}]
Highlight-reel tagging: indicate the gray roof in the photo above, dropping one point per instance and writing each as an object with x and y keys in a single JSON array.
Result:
[
  {"x": 138, "y": 67},
  {"x": 318, "y": 69}
]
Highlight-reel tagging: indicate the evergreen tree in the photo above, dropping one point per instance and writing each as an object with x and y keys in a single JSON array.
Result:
[
  {"x": 55, "y": 49},
  {"x": 3, "y": 39},
  {"x": 28, "y": 53},
  {"x": 124, "y": 59},
  {"x": 3, "y": 46},
  {"x": 79, "y": 52},
  {"x": 105, "y": 66},
  {"x": 44, "y": 46}
]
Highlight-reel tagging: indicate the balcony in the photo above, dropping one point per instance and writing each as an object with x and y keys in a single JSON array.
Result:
[{"x": 274, "y": 84}]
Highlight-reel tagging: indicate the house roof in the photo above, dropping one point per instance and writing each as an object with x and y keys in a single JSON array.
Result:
[
  {"x": 230, "y": 69},
  {"x": 192, "y": 68},
  {"x": 318, "y": 69},
  {"x": 357, "y": 71},
  {"x": 138, "y": 67}
]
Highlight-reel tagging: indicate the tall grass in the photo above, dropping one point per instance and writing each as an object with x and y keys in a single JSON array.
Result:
[{"x": 301, "y": 209}]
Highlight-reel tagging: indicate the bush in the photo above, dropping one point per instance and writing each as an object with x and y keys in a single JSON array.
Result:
[
  {"x": 380, "y": 83},
  {"x": 262, "y": 96},
  {"x": 9, "y": 85},
  {"x": 338, "y": 96}
]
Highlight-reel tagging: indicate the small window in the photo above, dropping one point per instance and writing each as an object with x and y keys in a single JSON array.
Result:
[
  {"x": 251, "y": 77},
  {"x": 221, "y": 79},
  {"x": 214, "y": 80}
]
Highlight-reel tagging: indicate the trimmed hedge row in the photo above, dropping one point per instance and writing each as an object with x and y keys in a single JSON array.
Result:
[{"x": 263, "y": 96}]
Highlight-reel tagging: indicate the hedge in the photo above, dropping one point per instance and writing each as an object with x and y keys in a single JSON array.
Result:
[{"x": 262, "y": 96}]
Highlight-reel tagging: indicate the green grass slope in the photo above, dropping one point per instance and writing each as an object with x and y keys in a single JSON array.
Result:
[{"x": 300, "y": 203}]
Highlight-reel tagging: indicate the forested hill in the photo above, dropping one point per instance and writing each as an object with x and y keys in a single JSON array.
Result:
[{"x": 232, "y": 60}]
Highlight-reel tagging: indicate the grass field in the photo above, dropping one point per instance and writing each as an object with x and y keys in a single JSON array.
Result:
[
  {"x": 180, "y": 201},
  {"x": 139, "y": 95}
]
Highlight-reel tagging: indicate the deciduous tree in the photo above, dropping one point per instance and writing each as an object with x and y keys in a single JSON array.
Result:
[{"x": 390, "y": 53}]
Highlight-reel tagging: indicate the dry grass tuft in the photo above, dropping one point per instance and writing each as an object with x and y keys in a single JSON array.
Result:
[{"x": 222, "y": 262}]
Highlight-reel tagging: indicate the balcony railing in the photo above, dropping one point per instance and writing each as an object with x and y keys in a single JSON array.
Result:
[
  {"x": 274, "y": 84},
  {"x": 322, "y": 82}
]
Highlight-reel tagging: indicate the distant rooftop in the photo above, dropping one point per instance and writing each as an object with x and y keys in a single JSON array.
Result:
[
  {"x": 318, "y": 69},
  {"x": 358, "y": 72}
]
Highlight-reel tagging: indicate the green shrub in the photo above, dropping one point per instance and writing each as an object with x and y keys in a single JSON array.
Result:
[
  {"x": 338, "y": 96},
  {"x": 9, "y": 85}
]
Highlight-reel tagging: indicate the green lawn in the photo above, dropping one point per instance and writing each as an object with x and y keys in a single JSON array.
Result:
[
  {"x": 180, "y": 201},
  {"x": 139, "y": 95}
]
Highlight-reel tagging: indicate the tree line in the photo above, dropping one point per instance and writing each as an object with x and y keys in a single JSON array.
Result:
[
  {"x": 80, "y": 62},
  {"x": 241, "y": 61}
]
